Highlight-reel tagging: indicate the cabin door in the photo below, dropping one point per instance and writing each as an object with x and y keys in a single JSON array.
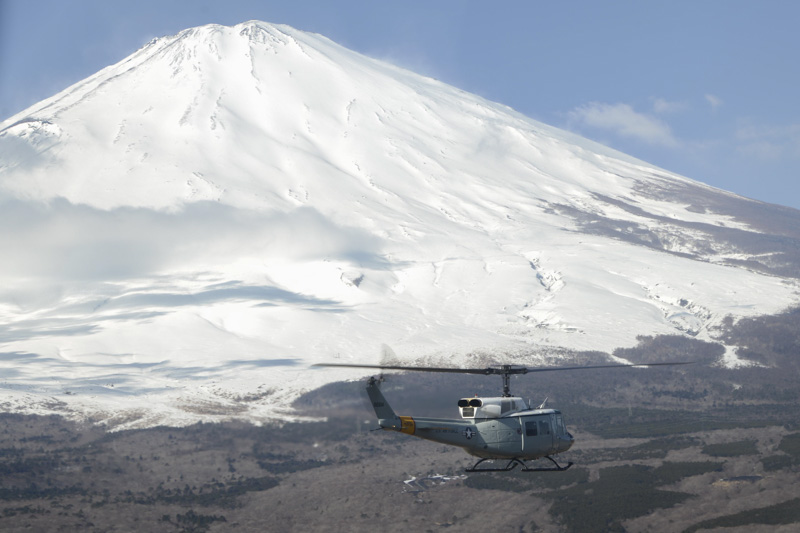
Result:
[{"x": 537, "y": 434}]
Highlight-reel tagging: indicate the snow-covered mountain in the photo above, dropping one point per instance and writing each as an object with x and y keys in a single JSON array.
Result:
[{"x": 184, "y": 232}]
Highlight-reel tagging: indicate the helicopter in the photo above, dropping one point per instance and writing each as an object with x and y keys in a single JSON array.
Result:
[{"x": 494, "y": 429}]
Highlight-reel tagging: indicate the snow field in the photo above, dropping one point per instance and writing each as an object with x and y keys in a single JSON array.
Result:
[{"x": 209, "y": 217}]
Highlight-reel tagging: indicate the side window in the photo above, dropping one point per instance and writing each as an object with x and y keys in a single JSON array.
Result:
[
  {"x": 505, "y": 406},
  {"x": 530, "y": 429},
  {"x": 544, "y": 427}
]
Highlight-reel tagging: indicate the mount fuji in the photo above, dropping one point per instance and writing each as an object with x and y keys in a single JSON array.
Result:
[{"x": 187, "y": 230}]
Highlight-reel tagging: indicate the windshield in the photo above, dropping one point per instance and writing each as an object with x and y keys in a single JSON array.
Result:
[{"x": 560, "y": 429}]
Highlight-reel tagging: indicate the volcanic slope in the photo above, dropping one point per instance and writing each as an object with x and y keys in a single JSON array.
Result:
[{"x": 185, "y": 231}]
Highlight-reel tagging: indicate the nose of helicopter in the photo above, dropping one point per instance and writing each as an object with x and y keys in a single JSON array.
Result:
[{"x": 567, "y": 441}]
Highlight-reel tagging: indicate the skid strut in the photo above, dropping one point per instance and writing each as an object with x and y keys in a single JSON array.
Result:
[{"x": 512, "y": 464}]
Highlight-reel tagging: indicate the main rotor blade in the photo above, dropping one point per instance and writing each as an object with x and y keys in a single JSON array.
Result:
[
  {"x": 547, "y": 369},
  {"x": 412, "y": 368},
  {"x": 500, "y": 369}
]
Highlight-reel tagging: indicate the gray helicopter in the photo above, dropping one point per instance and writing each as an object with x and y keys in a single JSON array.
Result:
[{"x": 504, "y": 428}]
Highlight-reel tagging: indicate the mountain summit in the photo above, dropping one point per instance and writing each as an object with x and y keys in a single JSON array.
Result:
[{"x": 187, "y": 230}]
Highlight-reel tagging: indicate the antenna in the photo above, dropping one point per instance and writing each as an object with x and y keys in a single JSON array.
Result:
[{"x": 544, "y": 402}]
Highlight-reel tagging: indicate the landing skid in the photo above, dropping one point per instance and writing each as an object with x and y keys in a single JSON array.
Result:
[{"x": 512, "y": 464}]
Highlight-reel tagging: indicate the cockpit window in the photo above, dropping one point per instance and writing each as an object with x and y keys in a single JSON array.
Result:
[
  {"x": 463, "y": 403},
  {"x": 475, "y": 402},
  {"x": 544, "y": 427}
]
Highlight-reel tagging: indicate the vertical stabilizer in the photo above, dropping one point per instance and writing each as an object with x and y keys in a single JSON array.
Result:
[
  {"x": 387, "y": 418},
  {"x": 382, "y": 408}
]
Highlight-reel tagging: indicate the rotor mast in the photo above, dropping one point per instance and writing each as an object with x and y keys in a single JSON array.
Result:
[{"x": 505, "y": 371}]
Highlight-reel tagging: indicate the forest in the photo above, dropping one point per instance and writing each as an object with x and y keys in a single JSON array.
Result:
[{"x": 691, "y": 448}]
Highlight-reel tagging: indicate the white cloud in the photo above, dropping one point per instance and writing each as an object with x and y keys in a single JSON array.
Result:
[
  {"x": 769, "y": 142},
  {"x": 713, "y": 101},
  {"x": 662, "y": 106},
  {"x": 62, "y": 242},
  {"x": 624, "y": 121}
]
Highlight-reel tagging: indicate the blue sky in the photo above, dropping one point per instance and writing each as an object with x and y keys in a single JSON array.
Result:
[{"x": 704, "y": 88}]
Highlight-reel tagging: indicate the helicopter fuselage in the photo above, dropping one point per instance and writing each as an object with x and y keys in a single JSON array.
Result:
[{"x": 490, "y": 428}]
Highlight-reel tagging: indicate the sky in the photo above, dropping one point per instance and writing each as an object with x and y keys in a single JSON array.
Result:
[{"x": 706, "y": 89}]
